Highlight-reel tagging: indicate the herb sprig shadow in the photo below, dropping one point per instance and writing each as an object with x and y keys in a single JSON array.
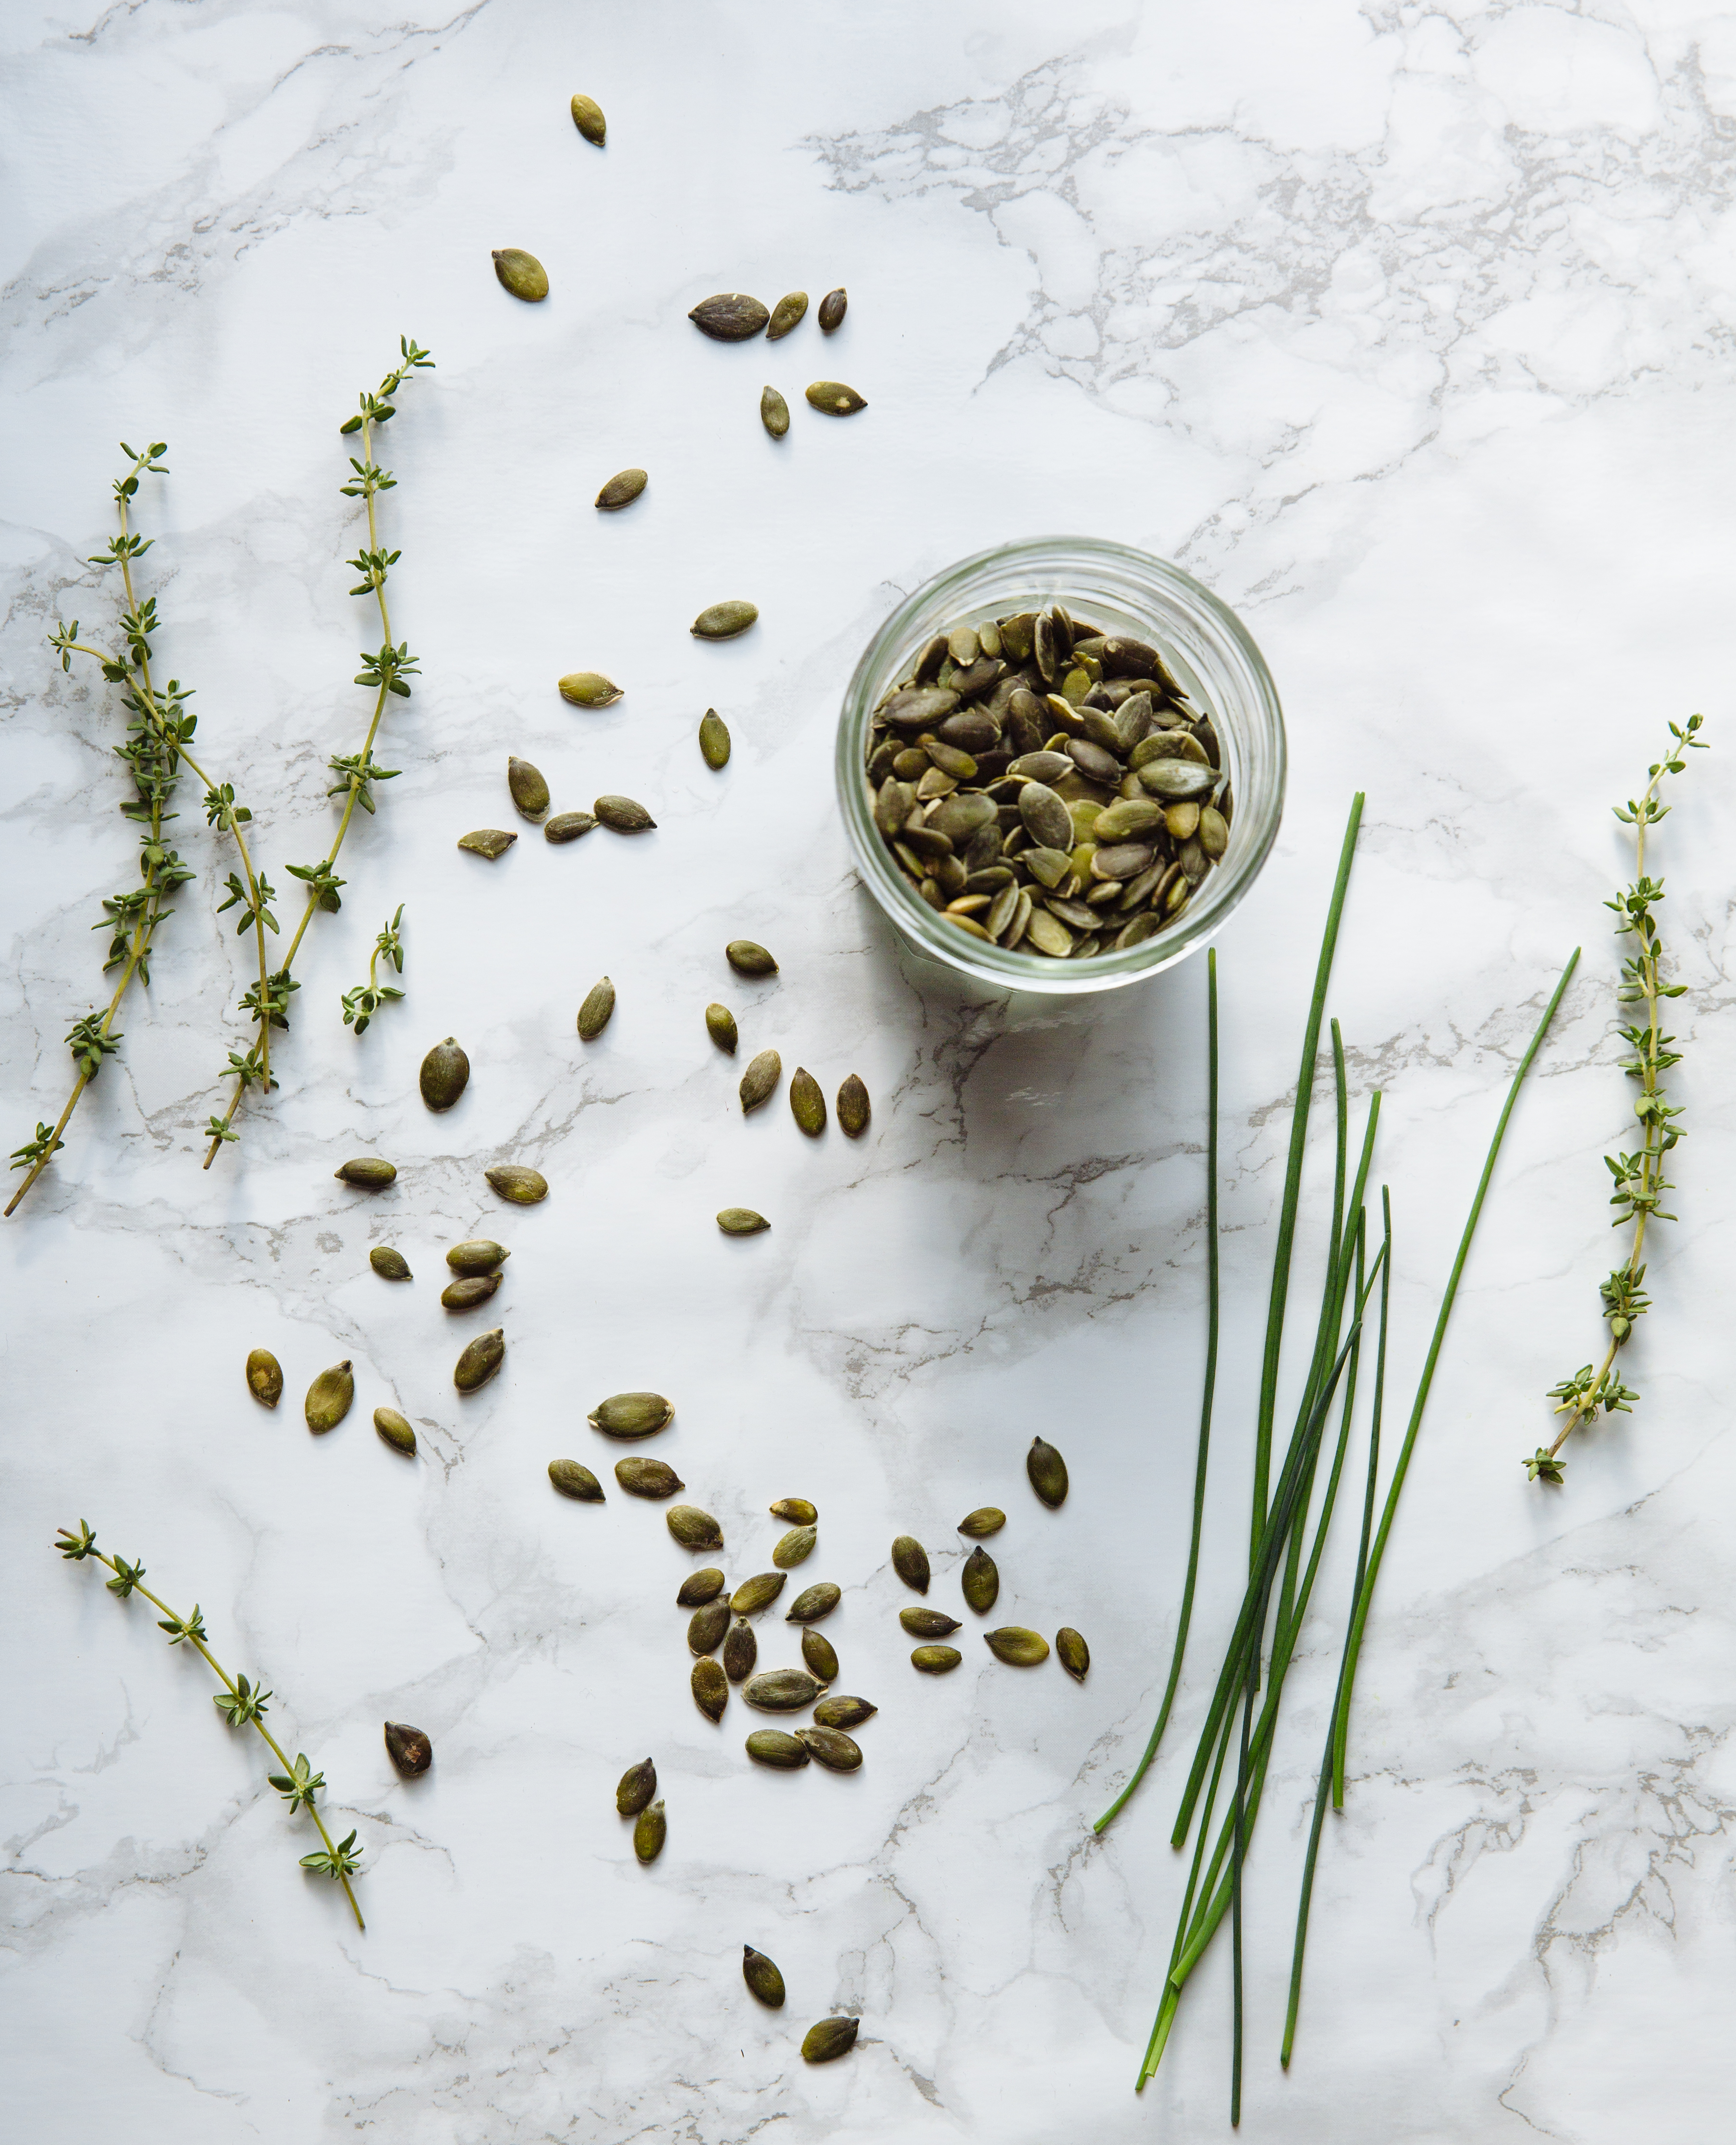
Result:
[
  {"x": 386, "y": 672},
  {"x": 1640, "y": 1183},
  {"x": 241, "y": 1704}
]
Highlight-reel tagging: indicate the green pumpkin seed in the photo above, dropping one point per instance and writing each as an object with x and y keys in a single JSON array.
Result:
[
  {"x": 692, "y": 1528},
  {"x": 522, "y": 274},
  {"x": 626, "y": 815},
  {"x": 748, "y": 960},
  {"x": 820, "y": 1654},
  {"x": 409, "y": 1748},
  {"x": 1017, "y": 1647},
  {"x": 783, "y": 1690},
  {"x": 477, "y": 1255},
  {"x": 328, "y": 1398},
  {"x": 265, "y": 1377},
  {"x": 834, "y": 399},
  {"x": 796, "y": 1509},
  {"x": 910, "y": 1560},
  {"x": 814, "y": 1602},
  {"x": 640, "y": 1477},
  {"x": 786, "y": 314},
  {"x": 854, "y": 1107},
  {"x": 830, "y": 2039},
  {"x": 807, "y": 1104},
  {"x": 795, "y": 1548},
  {"x": 980, "y": 1580},
  {"x": 699, "y": 1587},
  {"x": 1047, "y": 1471},
  {"x": 723, "y": 621},
  {"x": 528, "y": 791},
  {"x": 480, "y": 1361},
  {"x": 741, "y": 1650},
  {"x": 1071, "y": 1652},
  {"x": 760, "y": 1080},
  {"x": 756, "y": 1593},
  {"x": 490, "y": 842},
  {"x": 714, "y": 740},
  {"x": 1046, "y": 819},
  {"x": 621, "y": 491},
  {"x": 928, "y": 1623},
  {"x": 771, "y": 1746},
  {"x": 773, "y": 412},
  {"x": 649, "y": 1833},
  {"x": 636, "y": 1789},
  {"x": 569, "y": 826},
  {"x": 465, "y": 1294},
  {"x": 1177, "y": 780},
  {"x": 762, "y": 1978},
  {"x": 631, "y": 1414},
  {"x": 729, "y": 317},
  {"x": 590, "y": 689},
  {"x": 986, "y": 1520},
  {"x": 720, "y": 1027},
  {"x": 445, "y": 1074},
  {"x": 832, "y": 308},
  {"x": 836, "y": 1710},
  {"x": 588, "y": 118},
  {"x": 832, "y": 1748},
  {"x": 593, "y": 1014},
  {"x": 522, "y": 1186},
  {"x": 706, "y": 1627},
  {"x": 936, "y": 1660},
  {"x": 710, "y": 1688},
  {"x": 741, "y": 1221},
  {"x": 395, "y": 1431},
  {"x": 389, "y": 1264},
  {"x": 1214, "y": 832},
  {"x": 575, "y": 1481}
]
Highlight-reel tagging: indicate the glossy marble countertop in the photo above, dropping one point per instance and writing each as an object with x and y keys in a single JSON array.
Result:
[{"x": 1408, "y": 331}]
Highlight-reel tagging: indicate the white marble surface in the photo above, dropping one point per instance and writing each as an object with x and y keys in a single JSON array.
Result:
[{"x": 1409, "y": 330}]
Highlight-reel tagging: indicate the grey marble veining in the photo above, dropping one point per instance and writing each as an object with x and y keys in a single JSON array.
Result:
[{"x": 1408, "y": 330}]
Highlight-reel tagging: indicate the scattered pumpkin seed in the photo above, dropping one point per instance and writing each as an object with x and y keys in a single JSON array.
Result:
[
  {"x": 699, "y": 1587},
  {"x": 832, "y": 308},
  {"x": 741, "y": 1221},
  {"x": 389, "y": 1264},
  {"x": 758, "y": 1081},
  {"x": 576, "y": 1481},
  {"x": 588, "y": 118},
  {"x": 757, "y": 1593},
  {"x": 714, "y": 740},
  {"x": 621, "y": 491},
  {"x": 329, "y": 1397},
  {"x": 528, "y": 791},
  {"x": 729, "y": 317},
  {"x": 786, "y": 314},
  {"x": 710, "y": 1689},
  {"x": 522, "y": 1186},
  {"x": 723, "y": 621},
  {"x": 741, "y": 1650},
  {"x": 522, "y": 274},
  {"x": 854, "y": 1107},
  {"x": 707, "y": 1626},
  {"x": 986, "y": 1520},
  {"x": 783, "y": 1690},
  {"x": 821, "y": 1656},
  {"x": 265, "y": 1377},
  {"x": 795, "y": 1548},
  {"x": 590, "y": 689},
  {"x": 936, "y": 1660},
  {"x": 626, "y": 815},
  {"x": 569, "y": 826},
  {"x": 367, "y": 1172},
  {"x": 832, "y": 1748},
  {"x": 477, "y": 1255},
  {"x": 834, "y": 398},
  {"x": 649, "y": 1833},
  {"x": 980, "y": 1580},
  {"x": 814, "y": 1602},
  {"x": 631, "y": 1414},
  {"x": 692, "y": 1528},
  {"x": 807, "y": 1104},
  {"x": 395, "y": 1431},
  {"x": 748, "y": 960},
  {"x": 480, "y": 1361},
  {"x": 1047, "y": 1471},
  {"x": 773, "y": 412},
  {"x": 409, "y": 1748},
  {"x": 832, "y": 2038},
  {"x": 1071, "y": 1652},
  {"x": 836, "y": 1710},
  {"x": 445, "y": 1074},
  {"x": 771, "y": 1746},
  {"x": 762, "y": 1978},
  {"x": 720, "y": 1027},
  {"x": 593, "y": 1014},
  {"x": 465, "y": 1294},
  {"x": 1017, "y": 1647},
  {"x": 928, "y": 1623},
  {"x": 796, "y": 1509},
  {"x": 636, "y": 1789},
  {"x": 640, "y": 1477},
  {"x": 910, "y": 1560},
  {"x": 490, "y": 842}
]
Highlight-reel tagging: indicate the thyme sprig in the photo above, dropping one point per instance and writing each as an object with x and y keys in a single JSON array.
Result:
[
  {"x": 384, "y": 672},
  {"x": 365, "y": 1000},
  {"x": 158, "y": 735},
  {"x": 1640, "y": 1183},
  {"x": 241, "y": 1704}
]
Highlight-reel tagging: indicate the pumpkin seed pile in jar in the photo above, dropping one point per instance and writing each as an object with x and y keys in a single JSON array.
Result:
[{"x": 1045, "y": 785}]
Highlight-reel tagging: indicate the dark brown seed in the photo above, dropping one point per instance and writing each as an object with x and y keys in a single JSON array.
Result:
[
  {"x": 409, "y": 1748},
  {"x": 529, "y": 791},
  {"x": 465, "y": 1294},
  {"x": 757, "y": 1593},
  {"x": 490, "y": 842},
  {"x": 692, "y": 1528},
  {"x": 807, "y": 1104},
  {"x": 771, "y": 1746},
  {"x": 265, "y": 1377},
  {"x": 631, "y": 1414},
  {"x": 522, "y": 1186},
  {"x": 748, "y": 960},
  {"x": 588, "y": 118},
  {"x": 729, "y": 317},
  {"x": 741, "y": 1221},
  {"x": 576, "y": 1481},
  {"x": 714, "y": 740},
  {"x": 936, "y": 1660},
  {"x": 521, "y": 273},
  {"x": 1047, "y": 1471},
  {"x": 395, "y": 1429},
  {"x": 699, "y": 1587},
  {"x": 710, "y": 1689},
  {"x": 786, "y": 314},
  {"x": 762, "y": 1978},
  {"x": 761, "y": 1078},
  {"x": 636, "y": 1789},
  {"x": 980, "y": 1580},
  {"x": 783, "y": 1690},
  {"x": 480, "y": 1361},
  {"x": 723, "y": 621},
  {"x": 836, "y": 1710},
  {"x": 720, "y": 1027},
  {"x": 797, "y": 1510},
  {"x": 741, "y": 1650},
  {"x": 1017, "y": 1647},
  {"x": 832, "y": 308},
  {"x": 622, "y": 491},
  {"x": 1071, "y": 1652},
  {"x": 329, "y": 1398},
  {"x": 834, "y": 399},
  {"x": 832, "y": 1748},
  {"x": 650, "y": 1832},
  {"x": 706, "y": 1627},
  {"x": 569, "y": 826},
  {"x": 830, "y": 2039},
  {"x": 910, "y": 1560},
  {"x": 854, "y": 1107},
  {"x": 820, "y": 1654},
  {"x": 986, "y": 1520},
  {"x": 640, "y": 1477},
  {"x": 624, "y": 814},
  {"x": 477, "y": 1255},
  {"x": 445, "y": 1074},
  {"x": 928, "y": 1623},
  {"x": 814, "y": 1602},
  {"x": 773, "y": 412},
  {"x": 594, "y": 1015}
]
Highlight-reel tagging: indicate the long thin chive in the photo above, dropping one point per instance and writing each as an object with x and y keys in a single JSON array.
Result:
[
  {"x": 1359, "y": 1621},
  {"x": 1205, "y": 1395},
  {"x": 1238, "y": 1813},
  {"x": 1293, "y": 1183}
]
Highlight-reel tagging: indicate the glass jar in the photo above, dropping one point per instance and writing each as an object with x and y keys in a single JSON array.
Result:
[{"x": 1118, "y": 590}]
